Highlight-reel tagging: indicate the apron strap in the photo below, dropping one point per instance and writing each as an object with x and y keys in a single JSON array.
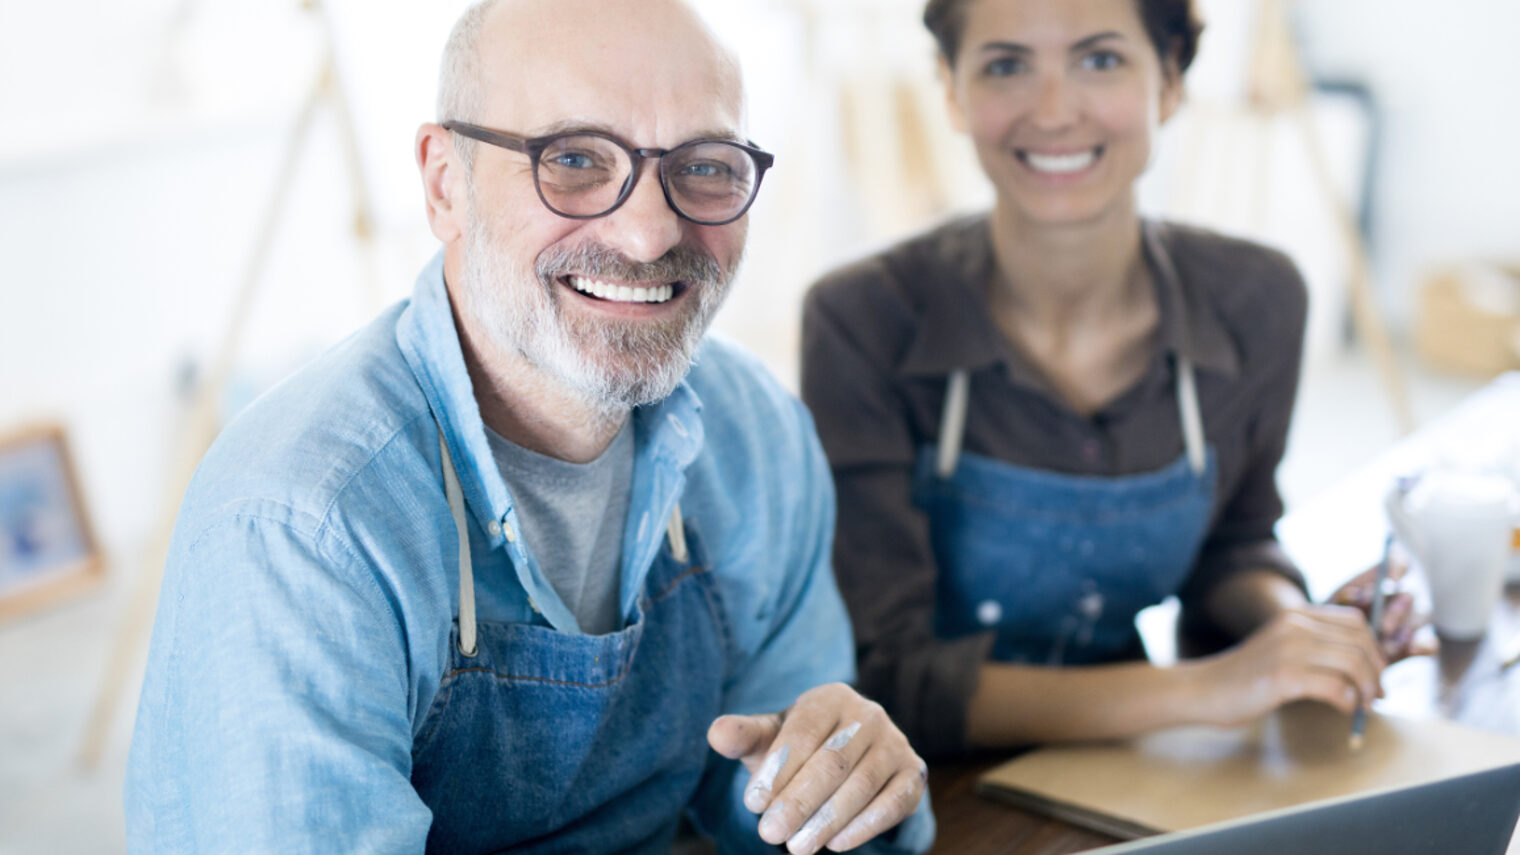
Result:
[
  {"x": 1192, "y": 419},
  {"x": 952, "y": 423},
  {"x": 455, "y": 496},
  {"x": 952, "y": 420},
  {"x": 675, "y": 532}
]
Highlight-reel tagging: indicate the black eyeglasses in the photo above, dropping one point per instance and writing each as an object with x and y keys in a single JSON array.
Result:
[{"x": 588, "y": 174}]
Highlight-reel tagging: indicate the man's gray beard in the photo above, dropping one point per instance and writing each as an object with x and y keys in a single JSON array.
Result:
[{"x": 613, "y": 366}]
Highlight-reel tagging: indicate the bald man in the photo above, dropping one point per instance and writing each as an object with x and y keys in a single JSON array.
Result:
[{"x": 527, "y": 564}]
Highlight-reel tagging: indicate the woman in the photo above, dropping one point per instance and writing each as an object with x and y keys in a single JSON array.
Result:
[{"x": 1045, "y": 418}]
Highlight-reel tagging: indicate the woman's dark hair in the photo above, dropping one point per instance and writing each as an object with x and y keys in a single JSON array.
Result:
[{"x": 1173, "y": 26}]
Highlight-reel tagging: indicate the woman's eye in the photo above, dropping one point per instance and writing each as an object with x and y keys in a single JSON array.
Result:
[
  {"x": 1003, "y": 67},
  {"x": 1101, "y": 60}
]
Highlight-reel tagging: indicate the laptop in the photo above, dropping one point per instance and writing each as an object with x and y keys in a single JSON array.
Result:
[{"x": 1469, "y": 815}]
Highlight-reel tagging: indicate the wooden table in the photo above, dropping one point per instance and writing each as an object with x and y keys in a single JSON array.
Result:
[{"x": 1331, "y": 537}]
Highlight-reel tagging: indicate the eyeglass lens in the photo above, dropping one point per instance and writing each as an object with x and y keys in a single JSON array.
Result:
[{"x": 583, "y": 176}]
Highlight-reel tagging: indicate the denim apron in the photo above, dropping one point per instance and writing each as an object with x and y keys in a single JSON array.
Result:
[
  {"x": 1058, "y": 565},
  {"x": 542, "y": 741}
]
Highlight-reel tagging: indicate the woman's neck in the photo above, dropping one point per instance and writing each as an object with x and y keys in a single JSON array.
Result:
[{"x": 1066, "y": 275}]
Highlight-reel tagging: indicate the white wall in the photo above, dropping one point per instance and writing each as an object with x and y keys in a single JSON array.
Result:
[{"x": 1447, "y": 76}]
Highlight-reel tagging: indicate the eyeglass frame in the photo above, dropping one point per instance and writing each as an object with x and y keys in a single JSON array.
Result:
[{"x": 534, "y": 148}]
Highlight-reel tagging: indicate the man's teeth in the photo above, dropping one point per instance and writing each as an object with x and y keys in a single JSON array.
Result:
[
  {"x": 1059, "y": 163},
  {"x": 621, "y": 293}
]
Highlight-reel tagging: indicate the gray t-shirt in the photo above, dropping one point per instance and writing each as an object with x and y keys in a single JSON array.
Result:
[{"x": 573, "y": 516}]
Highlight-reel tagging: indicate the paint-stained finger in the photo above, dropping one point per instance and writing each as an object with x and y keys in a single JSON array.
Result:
[
  {"x": 804, "y": 727},
  {"x": 819, "y": 779},
  {"x": 894, "y": 803}
]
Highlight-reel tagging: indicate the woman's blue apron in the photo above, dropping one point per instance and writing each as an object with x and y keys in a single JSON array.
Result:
[
  {"x": 541, "y": 741},
  {"x": 1058, "y": 565}
]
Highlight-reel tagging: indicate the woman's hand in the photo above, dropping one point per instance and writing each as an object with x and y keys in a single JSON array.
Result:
[
  {"x": 1313, "y": 652},
  {"x": 1396, "y": 636},
  {"x": 832, "y": 770}
]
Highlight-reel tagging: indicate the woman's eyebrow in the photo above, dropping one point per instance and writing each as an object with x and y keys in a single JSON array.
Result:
[
  {"x": 1093, "y": 39},
  {"x": 1081, "y": 45}
]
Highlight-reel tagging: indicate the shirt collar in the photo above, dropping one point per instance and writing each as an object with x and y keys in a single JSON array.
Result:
[
  {"x": 1190, "y": 325},
  {"x": 956, "y": 331},
  {"x": 668, "y": 436}
]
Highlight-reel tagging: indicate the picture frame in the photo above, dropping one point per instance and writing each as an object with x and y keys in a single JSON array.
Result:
[{"x": 48, "y": 549}]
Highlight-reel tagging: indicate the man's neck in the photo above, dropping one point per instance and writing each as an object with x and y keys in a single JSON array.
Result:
[{"x": 533, "y": 410}]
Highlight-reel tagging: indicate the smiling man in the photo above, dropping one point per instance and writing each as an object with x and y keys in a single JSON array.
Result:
[{"x": 527, "y": 564}]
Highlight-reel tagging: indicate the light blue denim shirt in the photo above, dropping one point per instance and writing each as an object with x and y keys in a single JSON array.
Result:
[{"x": 304, "y": 622}]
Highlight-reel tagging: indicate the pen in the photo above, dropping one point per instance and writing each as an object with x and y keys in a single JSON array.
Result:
[
  {"x": 1359, "y": 719},
  {"x": 1512, "y": 657}
]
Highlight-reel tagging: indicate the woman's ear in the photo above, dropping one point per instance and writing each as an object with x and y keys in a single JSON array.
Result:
[
  {"x": 952, "y": 97},
  {"x": 1171, "y": 86}
]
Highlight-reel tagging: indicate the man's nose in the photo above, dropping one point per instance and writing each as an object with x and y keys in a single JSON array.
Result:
[{"x": 645, "y": 227}]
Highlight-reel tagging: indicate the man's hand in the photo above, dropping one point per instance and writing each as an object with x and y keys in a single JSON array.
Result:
[{"x": 832, "y": 770}]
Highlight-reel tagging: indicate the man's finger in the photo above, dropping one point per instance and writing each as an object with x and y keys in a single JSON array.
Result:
[
  {"x": 820, "y": 777},
  {"x": 895, "y": 801},
  {"x": 743, "y": 737}
]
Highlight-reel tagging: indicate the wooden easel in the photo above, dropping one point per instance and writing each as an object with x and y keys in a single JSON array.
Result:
[
  {"x": 1279, "y": 88},
  {"x": 203, "y": 422}
]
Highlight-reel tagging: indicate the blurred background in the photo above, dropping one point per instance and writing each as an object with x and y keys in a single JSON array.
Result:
[{"x": 196, "y": 196}]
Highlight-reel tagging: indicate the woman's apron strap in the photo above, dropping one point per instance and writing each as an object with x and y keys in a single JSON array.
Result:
[
  {"x": 952, "y": 423},
  {"x": 1192, "y": 417},
  {"x": 952, "y": 420}
]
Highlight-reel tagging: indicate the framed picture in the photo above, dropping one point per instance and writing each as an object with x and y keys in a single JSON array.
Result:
[{"x": 48, "y": 550}]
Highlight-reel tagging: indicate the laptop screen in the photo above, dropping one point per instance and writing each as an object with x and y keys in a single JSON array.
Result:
[{"x": 1472, "y": 815}]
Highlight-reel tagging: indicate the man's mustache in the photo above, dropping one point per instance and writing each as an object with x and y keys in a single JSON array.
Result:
[{"x": 681, "y": 264}]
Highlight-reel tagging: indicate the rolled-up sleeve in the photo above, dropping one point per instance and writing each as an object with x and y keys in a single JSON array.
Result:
[{"x": 1242, "y": 537}]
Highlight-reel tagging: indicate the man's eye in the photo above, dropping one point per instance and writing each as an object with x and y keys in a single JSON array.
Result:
[
  {"x": 575, "y": 160},
  {"x": 1102, "y": 60},
  {"x": 1003, "y": 67},
  {"x": 706, "y": 169}
]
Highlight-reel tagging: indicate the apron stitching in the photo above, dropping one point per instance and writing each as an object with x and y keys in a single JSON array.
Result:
[
  {"x": 433, "y": 718},
  {"x": 500, "y": 676},
  {"x": 725, "y": 632},
  {"x": 692, "y": 571},
  {"x": 1055, "y": 516}
]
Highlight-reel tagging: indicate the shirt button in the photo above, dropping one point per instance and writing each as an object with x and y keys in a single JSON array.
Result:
[
  {"x": 989, "y": 612},
  {"x": 494, "y": 528},
  {"x": 1090, "y": 450}
]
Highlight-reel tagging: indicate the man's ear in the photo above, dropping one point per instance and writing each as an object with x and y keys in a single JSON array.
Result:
[{"x": 443, "y": 182}]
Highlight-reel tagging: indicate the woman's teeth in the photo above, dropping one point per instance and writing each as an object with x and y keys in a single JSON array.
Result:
[
  {"x": 621, "y": 293},
  {"x": 1061, "y": 163}
]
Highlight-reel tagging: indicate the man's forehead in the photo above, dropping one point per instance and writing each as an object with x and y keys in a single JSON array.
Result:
[{"x": 648, "y": 68}]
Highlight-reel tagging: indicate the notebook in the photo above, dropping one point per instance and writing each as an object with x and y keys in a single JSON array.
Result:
[
  {"x": 1470, "y": 814},
  {"x": 1190, "y": 777}
]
